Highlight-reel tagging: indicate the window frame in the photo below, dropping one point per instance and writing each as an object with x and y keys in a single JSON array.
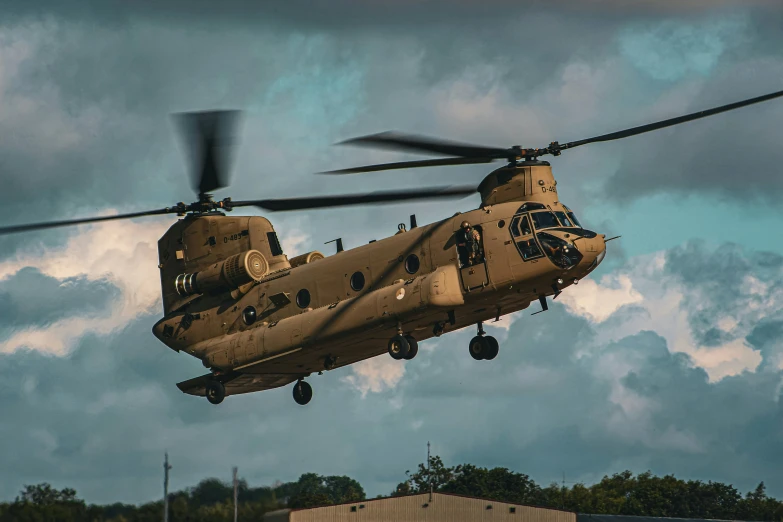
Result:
[{"x": 532, "y": 235}]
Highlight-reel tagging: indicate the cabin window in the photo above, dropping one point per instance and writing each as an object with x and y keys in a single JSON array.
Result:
[
  {"x": 249, "y": 315},
  {"x": 544, "y": 220},
  {"x": 357, "y": 281},
  {"x": 274, "y": 244},
  {"x": 564, "y": 219},
  {"x": 412, "y": 264},
  {"x": 303, "y": 298}
]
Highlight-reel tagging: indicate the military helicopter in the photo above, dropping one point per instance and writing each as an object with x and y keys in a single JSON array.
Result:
[{"x": 258, "y": 319}]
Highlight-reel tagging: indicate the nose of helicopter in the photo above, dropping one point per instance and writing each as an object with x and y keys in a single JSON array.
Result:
[{"x": 593, "y": 251}]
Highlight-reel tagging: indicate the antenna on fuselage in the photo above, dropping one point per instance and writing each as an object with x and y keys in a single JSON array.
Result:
[{"x": 339, "y": 242}]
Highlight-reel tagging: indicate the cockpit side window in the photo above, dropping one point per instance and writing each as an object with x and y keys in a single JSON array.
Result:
[
  {"x": 514, "y": 227},
  {"x": 564, "y": 219},
  {"x": 529, "y": 249},
  {"x": 523, "y": 237},
  {"x": 520, "y": 226},
  {"x": 524, "y": 226},
  {"x": 544, "y": 220}
]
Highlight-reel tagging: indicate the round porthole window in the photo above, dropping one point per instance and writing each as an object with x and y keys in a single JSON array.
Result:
[
  {"x": 357, "y": 281},
  {"x": 501, "y": 223},
  {"x": 249, "y": 315},
  {"x": 412, "y": 264},
  {"x": 303, "y": 298}
]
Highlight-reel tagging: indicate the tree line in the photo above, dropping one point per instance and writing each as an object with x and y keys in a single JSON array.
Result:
[{"x": 211, "y": 500}]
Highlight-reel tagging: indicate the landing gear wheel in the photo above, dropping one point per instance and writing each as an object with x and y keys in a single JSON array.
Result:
[
  {"x": 215, "y": 392},
  {"x": 493, "y": 348},
  {"x": 478, "y": 348},
  {"x": 303, "y": 392},
  {"x": 413, "y": 347},
  {"x": 398, "y": 347}
]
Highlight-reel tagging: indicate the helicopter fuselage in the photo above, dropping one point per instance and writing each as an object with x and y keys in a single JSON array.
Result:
[{"x": 316, "y": 313}]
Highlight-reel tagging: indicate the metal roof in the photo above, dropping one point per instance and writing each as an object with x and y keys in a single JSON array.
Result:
[{"x": 581, "y": 517}]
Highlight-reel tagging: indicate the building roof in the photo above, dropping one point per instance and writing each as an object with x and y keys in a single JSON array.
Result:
[
  {"x": 434, "y": 494},
  {"x": 580, "y": 517}
]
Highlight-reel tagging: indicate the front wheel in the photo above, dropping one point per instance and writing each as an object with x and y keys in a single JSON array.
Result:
[
  {"x": 413, "y": 347},
  {"x": 399, "y": 347}
]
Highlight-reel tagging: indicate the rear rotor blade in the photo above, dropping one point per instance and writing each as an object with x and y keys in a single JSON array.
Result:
[
  {"x": 413, "y": 143},
  {"x": 287, "y": 204},
  {"x": 672, "y": 121},
  {"x": 53, "y": 224},
  {"x": 410, "y": 165},
  {"x": 211, "y": 143}
]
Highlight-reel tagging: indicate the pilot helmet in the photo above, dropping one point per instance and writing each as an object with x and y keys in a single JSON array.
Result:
[{"x": 465, "y": 225}]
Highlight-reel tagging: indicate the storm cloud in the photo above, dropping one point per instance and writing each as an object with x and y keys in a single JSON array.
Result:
[{"x": 32, "y": 299}]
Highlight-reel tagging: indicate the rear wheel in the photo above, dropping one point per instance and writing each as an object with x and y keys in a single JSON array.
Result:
[
  {"x": 215, "y": 392},
  {"x": 303, "y": 392},
  {"x": 478, "y": 348},
  {"x": 398, "y": 347},
  {"x": 492, "y": 348}
]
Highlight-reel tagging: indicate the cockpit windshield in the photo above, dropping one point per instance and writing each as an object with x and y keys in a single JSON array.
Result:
[
  {"x": 572, "y": 216},
  {"x": 544, "y": 220},
  {"x": 564, "y": 219}
]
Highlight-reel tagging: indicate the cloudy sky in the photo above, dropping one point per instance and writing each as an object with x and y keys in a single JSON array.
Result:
[{"x": 670, "y": 358}]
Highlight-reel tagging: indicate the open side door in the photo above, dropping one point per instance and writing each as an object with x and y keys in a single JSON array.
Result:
[{"x": 473, "y": 272}]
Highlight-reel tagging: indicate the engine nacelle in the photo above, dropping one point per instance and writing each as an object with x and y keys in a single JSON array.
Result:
[
  {"x": 229, "y": 274},
  {"x": 306, "y": 258}
]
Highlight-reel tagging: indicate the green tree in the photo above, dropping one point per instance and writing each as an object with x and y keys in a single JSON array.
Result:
[
  {"x": 211, "y": 491},
  {"x": 436, "y": 475},
  {"x": 315, "y": 490},
  {"x": 42, "y": 503}
]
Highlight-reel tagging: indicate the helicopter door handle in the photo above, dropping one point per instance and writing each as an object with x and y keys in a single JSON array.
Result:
[{"x": 507, "y": 243}]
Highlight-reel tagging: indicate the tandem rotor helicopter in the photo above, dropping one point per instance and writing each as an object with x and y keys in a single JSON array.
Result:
[{"x": 258, "y": 319}]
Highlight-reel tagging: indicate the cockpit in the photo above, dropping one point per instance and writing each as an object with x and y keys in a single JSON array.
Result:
[{"x": 527, "y": 230}]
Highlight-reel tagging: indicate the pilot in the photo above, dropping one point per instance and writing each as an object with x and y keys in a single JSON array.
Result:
[{"x": 468, "y": 240}]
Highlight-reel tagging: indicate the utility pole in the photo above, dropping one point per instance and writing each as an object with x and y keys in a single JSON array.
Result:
[
  {"x": 166, "y": 469},
  {"x": 429, "y": 476},
  {"x": 562, "y": 493},
  {"x": 235, "y": 494}
]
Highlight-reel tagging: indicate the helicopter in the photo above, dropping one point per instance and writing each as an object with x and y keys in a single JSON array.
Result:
[{"x": 259, "y": 320}]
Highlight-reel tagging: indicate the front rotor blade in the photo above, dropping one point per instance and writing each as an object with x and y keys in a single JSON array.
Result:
[
  {"x": 672, "y": 121},
  {"x": 412, "y": 143},
  {"x": 53, "y": 224},
  {"x": 410, "y": 165},
  {"x": 211, "y": 144},
  {"x": 356, "y": 199}
]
